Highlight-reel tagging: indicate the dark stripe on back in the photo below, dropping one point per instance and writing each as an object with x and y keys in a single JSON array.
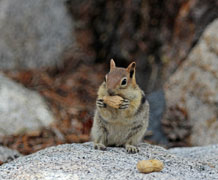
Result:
[
  {"x": 134, "y": 131},
  {"x": 102, "y": 125},
  {"x": 136, "y": 127},
  {"x": 143, "y": 99}
]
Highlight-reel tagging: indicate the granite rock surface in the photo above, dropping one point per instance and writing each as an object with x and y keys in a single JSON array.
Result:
[{"x": 81, "y": 161}]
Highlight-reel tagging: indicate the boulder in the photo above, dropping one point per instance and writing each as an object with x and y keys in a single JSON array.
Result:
[
  {"x": 82, "y": 161},
  {"x": 33, "y": 33},
  {"x": 7, "y": 155},
  {"x": 192, "y": 92},
  {"x": 21, "y": 110}
]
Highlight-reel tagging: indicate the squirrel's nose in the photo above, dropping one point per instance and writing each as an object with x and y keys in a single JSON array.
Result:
[{"x": 110, "y": 92}]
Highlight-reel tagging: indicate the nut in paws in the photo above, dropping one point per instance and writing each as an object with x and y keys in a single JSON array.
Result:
[{"x": 113, "y": 101}]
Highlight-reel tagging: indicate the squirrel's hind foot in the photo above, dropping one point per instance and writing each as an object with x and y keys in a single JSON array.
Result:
[
  {"x": 131, "y": 149},
  {"x": 100, "y": 146}
]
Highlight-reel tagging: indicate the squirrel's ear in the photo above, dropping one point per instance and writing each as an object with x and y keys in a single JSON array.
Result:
[
  {"x": 131, "y": 69},
  {"x": 112, "y": 64}
]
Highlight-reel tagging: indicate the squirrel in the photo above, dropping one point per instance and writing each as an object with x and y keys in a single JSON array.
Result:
[{"x": 125, "y": 126}]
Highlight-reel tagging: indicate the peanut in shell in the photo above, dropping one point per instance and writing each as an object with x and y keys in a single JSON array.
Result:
[
  {"x": 148, "y": 166},
  {"x": 113, "y": 101}
]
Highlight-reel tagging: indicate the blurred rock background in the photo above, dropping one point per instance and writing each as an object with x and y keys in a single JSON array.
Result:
[
  {"x": 54, "y": 54},
  {"x": 192, "y": 93}
]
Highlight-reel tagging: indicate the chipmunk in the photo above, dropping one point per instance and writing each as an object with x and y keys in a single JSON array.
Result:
[{"x": 126, "y": 125}]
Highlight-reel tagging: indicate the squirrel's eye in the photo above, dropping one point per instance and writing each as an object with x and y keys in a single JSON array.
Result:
[{"x": 124, "y": 81}]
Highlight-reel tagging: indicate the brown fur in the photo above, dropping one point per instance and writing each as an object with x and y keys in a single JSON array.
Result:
[{"x": 120, "y": 127}]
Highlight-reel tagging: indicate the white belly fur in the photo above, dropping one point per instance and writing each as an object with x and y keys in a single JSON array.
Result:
[{"x": 117, "y": 134}]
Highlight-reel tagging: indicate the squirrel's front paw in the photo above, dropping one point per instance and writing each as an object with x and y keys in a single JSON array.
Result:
[
  {"x": 124, "y": 104},
  {"x": 131, "y": 149},
  {"x": 99, "y": 146},
  {"x": 100, "y": 103}
]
